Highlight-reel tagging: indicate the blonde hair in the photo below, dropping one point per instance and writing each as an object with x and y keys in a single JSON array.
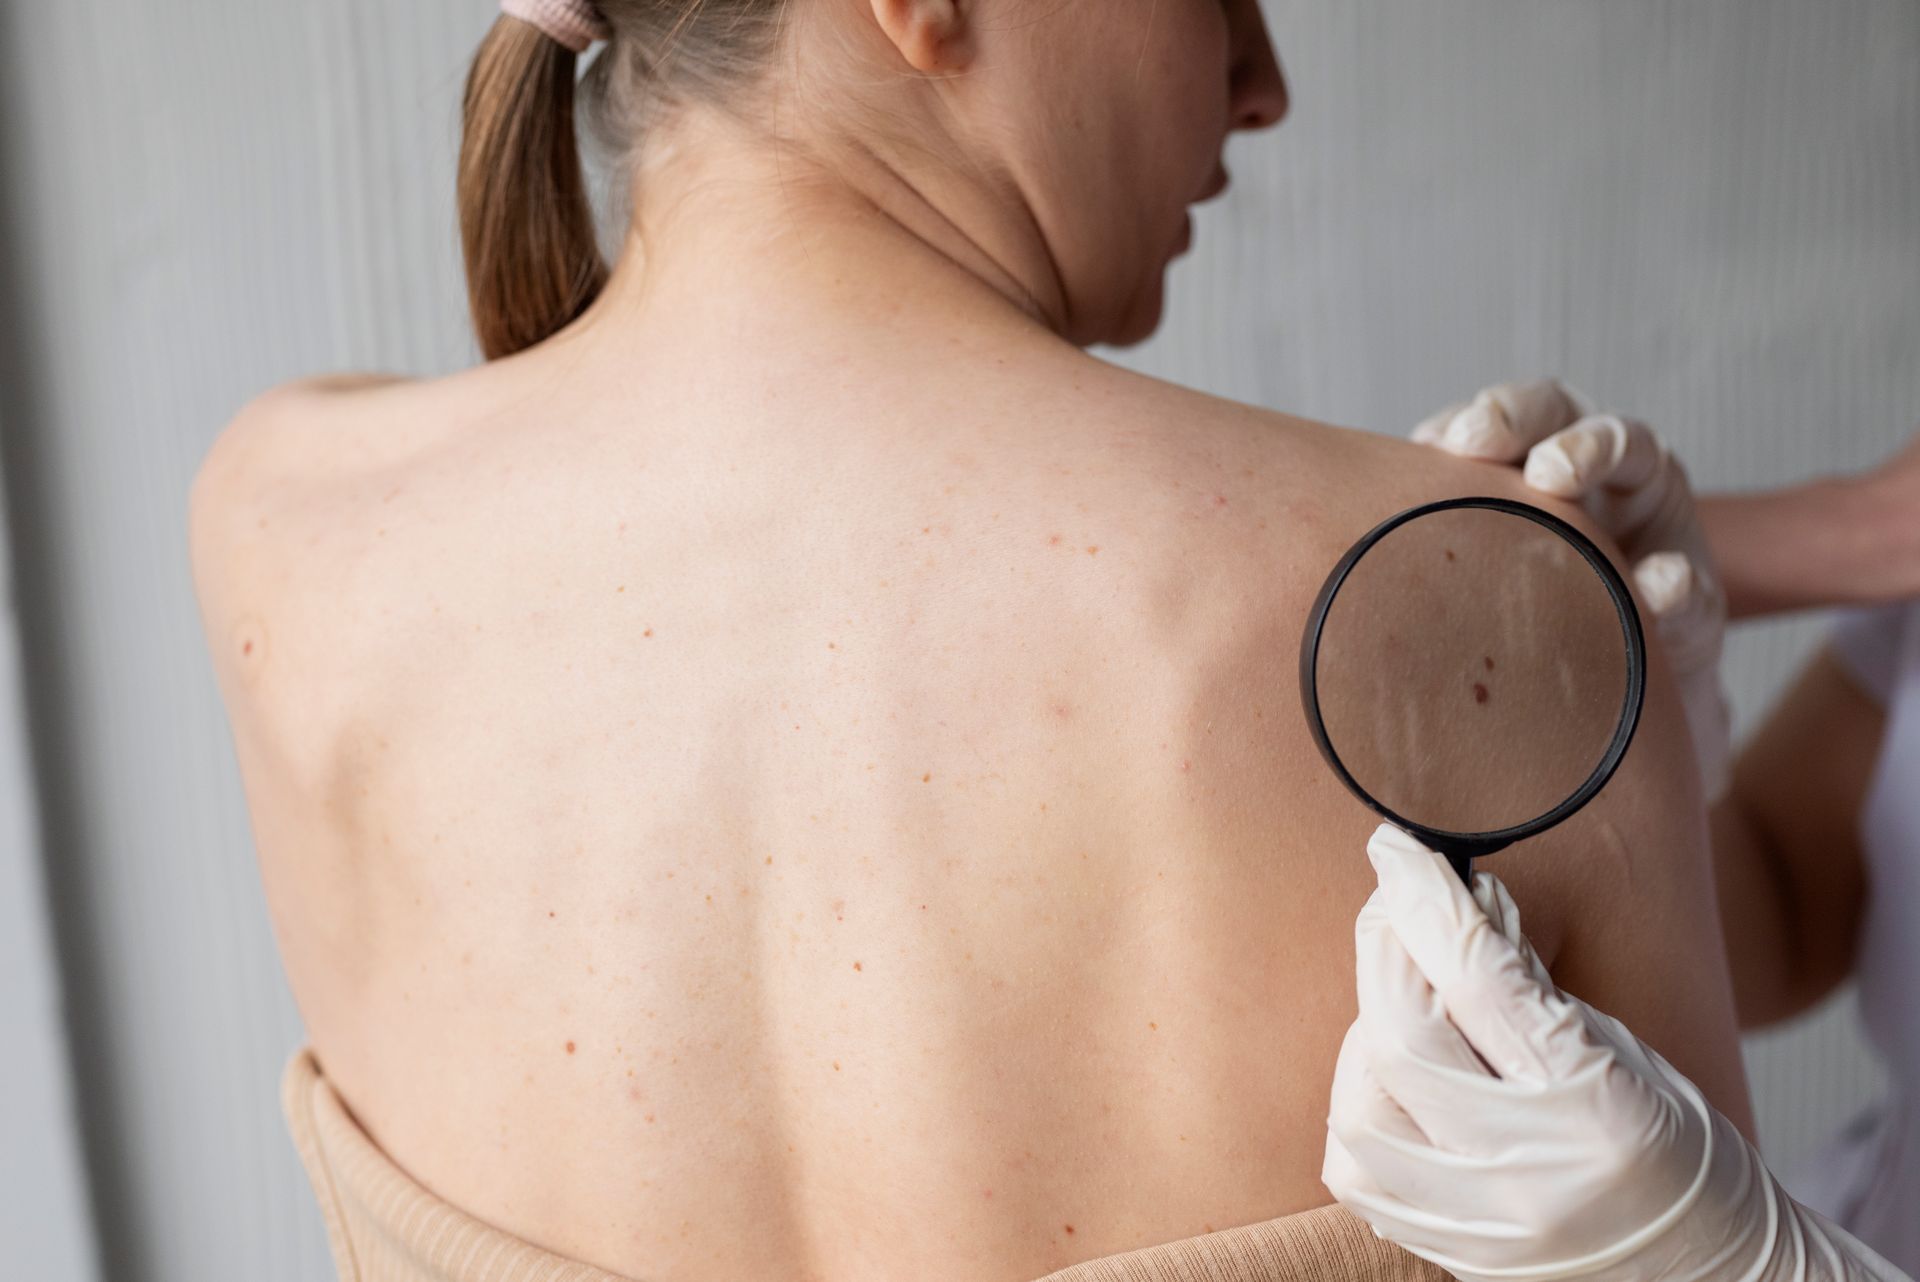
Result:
[{"x": 533, "y": 261}]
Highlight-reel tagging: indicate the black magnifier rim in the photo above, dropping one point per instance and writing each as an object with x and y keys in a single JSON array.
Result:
[{"x": 1473, "y": 844}]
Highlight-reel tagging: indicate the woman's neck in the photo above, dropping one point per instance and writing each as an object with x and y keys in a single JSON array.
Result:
[{"x": 721, "y": 223}]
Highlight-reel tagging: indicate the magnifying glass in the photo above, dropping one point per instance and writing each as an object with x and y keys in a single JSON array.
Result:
[{"x": 1473, "y": 671}]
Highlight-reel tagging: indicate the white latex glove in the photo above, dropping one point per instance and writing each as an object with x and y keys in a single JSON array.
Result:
[
  {"x": 1489, "y": 1123},
  {"x": 1638, "y": 493}
]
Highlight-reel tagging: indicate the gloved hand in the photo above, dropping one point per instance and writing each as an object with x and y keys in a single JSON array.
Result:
[
  {"x": 1638, "y": 493},
  {"x": 1489, "y": 1123}
]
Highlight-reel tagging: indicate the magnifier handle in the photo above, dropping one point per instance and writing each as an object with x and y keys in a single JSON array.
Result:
[{"x": 1458, "y": 854}]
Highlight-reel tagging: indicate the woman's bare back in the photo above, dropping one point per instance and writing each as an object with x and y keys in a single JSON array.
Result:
[{"x": 802, "y": 817}]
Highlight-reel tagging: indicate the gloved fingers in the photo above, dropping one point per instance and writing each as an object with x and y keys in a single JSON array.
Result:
[
  {"x": 1494, "y": 900},
  {"x": 1413, "y": 1054},
  {"x": 1358, "y": 1106},
  {"x": 1632, "y": 1055},
  {"x": 1688, "y": 604},
  {"x": 1668, "y": 584},
  {"x": 1488, "y": 991},
  {"x": 1358, "y": 1103},
  {"x": 1345, "y": 1178},
  {"x": 1394, "y": 1175},
  {"x": 1429, "y": 430},
  {"x": 1600, "y": 451},
  {"x": 1354, "y": 1187},
  {"x": 1657, "y": 515},
  {"x": 1639, "y": 492},
  {"x": 1690, "y": 612},
  {"x": 1501, "y": 423},
  {"x": 1413, "y": 1050},
  {"x": 1631, "y": 484}
]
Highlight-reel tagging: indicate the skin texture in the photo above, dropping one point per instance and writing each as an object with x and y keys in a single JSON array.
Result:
[{"x": 801, "y": 774}]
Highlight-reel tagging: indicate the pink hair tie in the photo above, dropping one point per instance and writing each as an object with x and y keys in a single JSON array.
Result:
[{"x": 574, "y": 23}]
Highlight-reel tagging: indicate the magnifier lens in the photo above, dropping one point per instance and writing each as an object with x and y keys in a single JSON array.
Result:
[{"x": 1473, "y": 670}]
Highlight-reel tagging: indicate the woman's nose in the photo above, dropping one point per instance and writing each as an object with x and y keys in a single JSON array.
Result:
[{"x": 1259, "y": 86}]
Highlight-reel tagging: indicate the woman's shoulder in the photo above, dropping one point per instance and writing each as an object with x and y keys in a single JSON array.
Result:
[
  {"x": 281, "y": 421},
  {"x": 254, "y": 462},
  {"x": 1307, "y": 489},
  {"x": 265, "y": 520},
  {"x": 307, "y": 450}
]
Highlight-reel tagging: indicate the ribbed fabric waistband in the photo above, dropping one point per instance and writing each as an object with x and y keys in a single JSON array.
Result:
[{"x": 386, "y": 1227}]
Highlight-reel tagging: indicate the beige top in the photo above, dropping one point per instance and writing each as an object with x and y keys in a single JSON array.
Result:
[{"x": 385, "y": 1227}]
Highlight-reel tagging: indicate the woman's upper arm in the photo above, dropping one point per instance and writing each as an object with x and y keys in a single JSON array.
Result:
[{"x": 1640, "y": 932}]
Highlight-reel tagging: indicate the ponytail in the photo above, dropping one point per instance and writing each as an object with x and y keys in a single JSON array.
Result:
[{"x": 526, "y": 226}]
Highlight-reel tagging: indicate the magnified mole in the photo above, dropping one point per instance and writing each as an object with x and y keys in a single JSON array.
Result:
[{"x": 1390, "y": 691}]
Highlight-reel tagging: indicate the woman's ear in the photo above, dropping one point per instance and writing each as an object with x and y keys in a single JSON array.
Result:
[{"x": 932, "y": 35}]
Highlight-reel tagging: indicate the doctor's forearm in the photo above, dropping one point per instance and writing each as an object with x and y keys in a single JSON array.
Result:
[{"x": 1833, "y": 541}]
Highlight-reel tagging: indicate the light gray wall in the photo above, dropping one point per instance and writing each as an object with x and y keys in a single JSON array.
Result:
[
  {"x": 1706, "y": 211},
  {"x": 200, "y": 200},
  {"x": 44, "y": 1211}
]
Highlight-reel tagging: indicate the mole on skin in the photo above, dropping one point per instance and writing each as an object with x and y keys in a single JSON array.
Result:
[
  {"x": 1479, "y": 693},
  {"x": 249, "y": 634}
]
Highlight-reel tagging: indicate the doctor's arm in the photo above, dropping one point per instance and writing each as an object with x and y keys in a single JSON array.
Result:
[
  {"x": 1787, "y": 854},
  {"x": 1835, "y": 540}
]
